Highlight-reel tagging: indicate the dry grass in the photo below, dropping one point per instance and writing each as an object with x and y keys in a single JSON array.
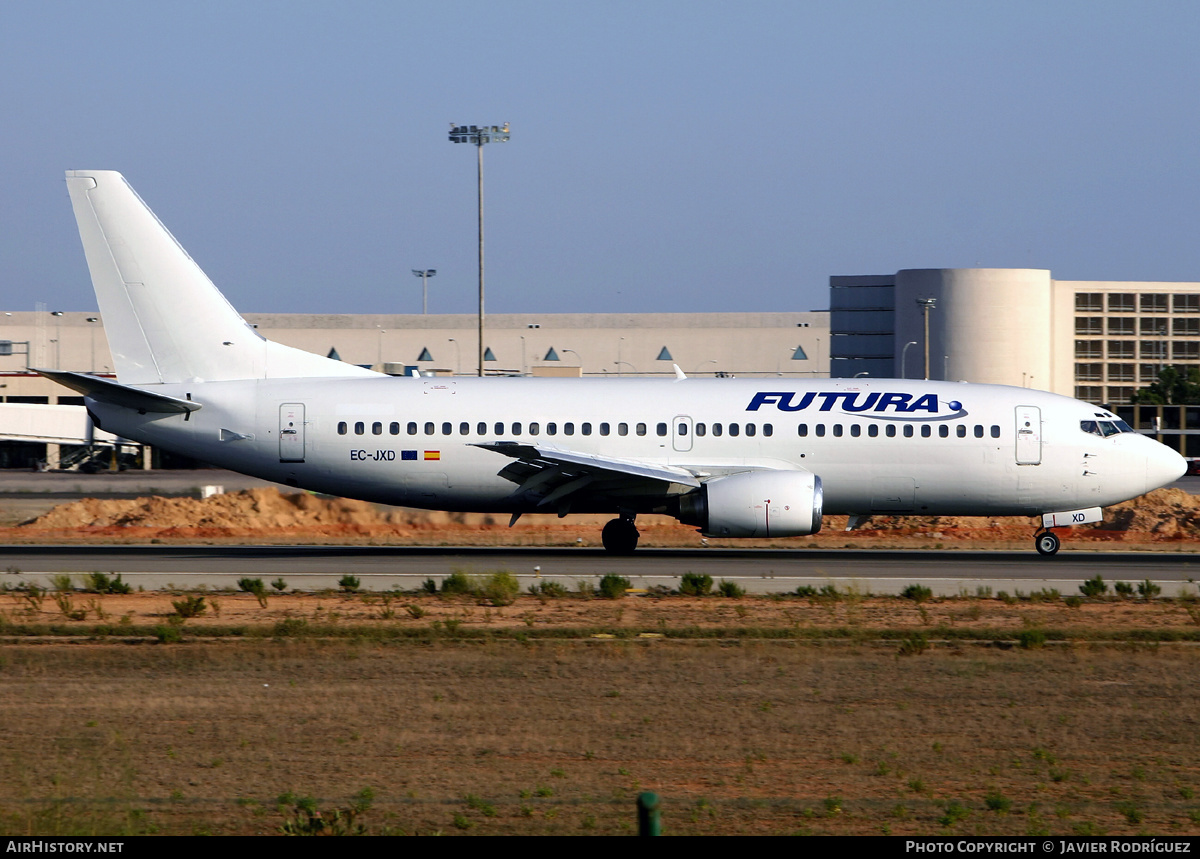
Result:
[{"x": 492, "y": 735}]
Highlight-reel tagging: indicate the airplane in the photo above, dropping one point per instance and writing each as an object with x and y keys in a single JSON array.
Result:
[{"x": 733, "y": 457}]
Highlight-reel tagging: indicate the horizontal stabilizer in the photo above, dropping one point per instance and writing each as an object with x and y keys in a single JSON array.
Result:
[{"x": 116, "y": 394}]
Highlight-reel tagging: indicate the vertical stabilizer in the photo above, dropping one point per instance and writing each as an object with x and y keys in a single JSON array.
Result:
[{"x": 165, "y": 320}]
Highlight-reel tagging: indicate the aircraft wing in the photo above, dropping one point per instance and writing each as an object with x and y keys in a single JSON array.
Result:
[{"x": 560, "y": 476}]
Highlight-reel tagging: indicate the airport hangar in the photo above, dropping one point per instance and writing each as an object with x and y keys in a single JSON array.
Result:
[{"x": 1096, "y": 341}]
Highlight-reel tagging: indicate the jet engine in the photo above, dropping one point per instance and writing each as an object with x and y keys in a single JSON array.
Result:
[{"x": 756, "y": 504}]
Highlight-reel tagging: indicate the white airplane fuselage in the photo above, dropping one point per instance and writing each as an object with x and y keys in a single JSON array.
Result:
[{"x": 934, "y": 463}]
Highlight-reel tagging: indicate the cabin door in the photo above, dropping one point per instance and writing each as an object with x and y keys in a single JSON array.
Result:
[
  {"x": 1029, "y": 435},
  {"x": 681, "y": 432},
  {"x": 291, "y": 432}
]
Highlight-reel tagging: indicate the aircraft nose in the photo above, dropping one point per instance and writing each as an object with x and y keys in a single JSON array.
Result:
[{"x": 1163, "y": 466}]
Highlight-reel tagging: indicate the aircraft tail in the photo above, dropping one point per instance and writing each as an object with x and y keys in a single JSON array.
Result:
[{"x": 165, "y": 320}]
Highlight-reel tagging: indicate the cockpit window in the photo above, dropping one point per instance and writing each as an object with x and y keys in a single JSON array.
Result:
[{"x": 1105, "y": 428}]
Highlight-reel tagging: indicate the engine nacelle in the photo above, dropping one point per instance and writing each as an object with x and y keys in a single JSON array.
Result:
[{"x": 756, "y": 504}]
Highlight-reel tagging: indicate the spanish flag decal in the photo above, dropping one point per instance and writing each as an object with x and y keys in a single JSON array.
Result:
[{"x": 432, "y": 454}]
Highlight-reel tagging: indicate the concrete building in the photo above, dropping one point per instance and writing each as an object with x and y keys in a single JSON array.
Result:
[{"x": 1097, "y": 341}]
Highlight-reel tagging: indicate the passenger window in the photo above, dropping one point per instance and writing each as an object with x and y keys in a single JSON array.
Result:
[
  {"x": 908, "y": 430},
  {"x": 464, "y": 428},
  {"x": 891, "y": 431},
  {"x": 873, "y": 430},
  {"x": 534, "y": 428},
  {"x": 661, "y": 429},
  {"x": 926, "y": 430},
  {"x": 641, "y": 429},
  {"x": 499, "y": 428},
  {"x": 734, "y": 429},
  {"x": 622, "y": 429},
  {"x": 768, "y": 429},
  {"x": 517, "y": 428},
  {"x": 394, "y": 428},
  {"x": 359, "y": 428},
  {"x": 377, "y": 428},
  {"x": 585, "y": 429},
  {"x": 820, "y": 430},
  {"x": 978, "y": 430},
  {"x": 682, "y": 429},
  {"x": 603, "y": 429},
  {"x": 855, "y": 430},
  {"x": 568, "y": 429},
  {"x": 961, "y": 430},
  {"x": 944, "y": 431},
  {"x": 701, "y": 429},
  {"x": 412, "y": 427},
  {"x": 481, "y": 428},
  {"x": 341, "y": 427},
  {"x": 751, "y": 429},
  {"x": 837, "y": 430},
  {"x": 447, "y": 428},
  {"x": 995, "y": 431},
  {"x": 551, "y": 428},
  {"x": 430, "y": 429},
  {"x": 717, "y": 429},
  {"x": 802, "y": 430}
]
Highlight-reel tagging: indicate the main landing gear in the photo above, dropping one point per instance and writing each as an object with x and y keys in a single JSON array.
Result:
[
  {"x": 620, "y": 536},
  {"x": 1046, "y": 543}
]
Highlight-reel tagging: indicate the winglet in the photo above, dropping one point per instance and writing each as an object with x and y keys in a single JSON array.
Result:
[{"x": 679, "y": 374}]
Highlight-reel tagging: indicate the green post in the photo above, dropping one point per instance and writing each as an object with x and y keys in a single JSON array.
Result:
[{"x": 649, "y": 818}]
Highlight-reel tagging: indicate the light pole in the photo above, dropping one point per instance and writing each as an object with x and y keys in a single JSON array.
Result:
[
  {"x": 93, "y": 330},
  {"x": 903, "y": 356},
  {"x": 479, "y": 135},
  {"x": 578, "y": 357},
  {"x": 926, "y": 305},
  {"x": 57, "y": 314},
  {"x": 457, "y": 357},
  {"x": 424, "y": 274}
]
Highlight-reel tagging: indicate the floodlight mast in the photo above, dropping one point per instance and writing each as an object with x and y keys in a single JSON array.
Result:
[
  {"x": 424, "y": 274},
  {"x": 479, "y": 135}
]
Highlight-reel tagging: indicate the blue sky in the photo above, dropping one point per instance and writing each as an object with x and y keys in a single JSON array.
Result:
[{"x": 665, "y": 156}]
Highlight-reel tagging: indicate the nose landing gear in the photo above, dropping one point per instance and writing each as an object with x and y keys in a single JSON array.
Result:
[
  {"x": 1046, "y": 543},
  {"x": 620, "y": 536}
]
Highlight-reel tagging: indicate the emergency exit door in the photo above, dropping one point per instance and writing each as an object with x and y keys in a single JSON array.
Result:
[{"x": 291, "y": 432}]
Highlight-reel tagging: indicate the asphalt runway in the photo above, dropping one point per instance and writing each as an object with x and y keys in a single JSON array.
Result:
[{"x": 946, "y": 572}]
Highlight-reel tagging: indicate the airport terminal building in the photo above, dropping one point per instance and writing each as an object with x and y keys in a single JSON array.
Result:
[{"x": 1096, "y": 341}]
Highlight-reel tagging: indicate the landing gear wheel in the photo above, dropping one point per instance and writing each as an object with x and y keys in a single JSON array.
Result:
[
  {"x": 1046, "y": 543},
  {"x": 620, "y": 537}
]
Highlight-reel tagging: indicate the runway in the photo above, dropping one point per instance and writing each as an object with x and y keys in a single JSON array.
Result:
[{"x": 946, "y": 572}]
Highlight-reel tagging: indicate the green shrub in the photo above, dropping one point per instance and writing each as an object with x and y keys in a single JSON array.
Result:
[
  {"x": 279, "y": 585},
  {"x": 996, "y": 801},
  {"x": 914, "y": 644},
  {"x": 731, "y": 589},
  {"x": 1123, "y": 589},
  {"x": 695, "y": 584},
  {"x": 100, "y": 583},
  {"x": 457, "y": 582},
  {"x": 955, "y": 811},
  {"x": 501, "y": 588},
  {"x": 349, "y": 584},
  {"x": 190, "y": 606},
  {"x": 1094, "y": 587},
  {"x": 251, "y": 586},
  {"x": 548, "y": 589},
  {"x": 917, "y": 593},
  {"x": 1148, "y": 590},
  {"x": 1031, "y": 639},
  {"x": 168, "y": 633},
  {"x": 613, "y": 586},
  {"x": 62, "y": 583},
  {"x": 806, "y": 591}
]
